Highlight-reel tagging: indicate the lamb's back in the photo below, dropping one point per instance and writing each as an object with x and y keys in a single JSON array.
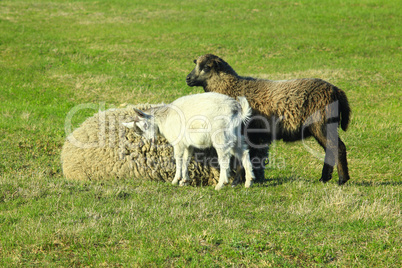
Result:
[{"x": 207, "y": 105}]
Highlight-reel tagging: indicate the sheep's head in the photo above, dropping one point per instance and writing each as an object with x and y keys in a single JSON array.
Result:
[
  {"x": 207, "y": 66},
  {"x": 143, "y": 125}
]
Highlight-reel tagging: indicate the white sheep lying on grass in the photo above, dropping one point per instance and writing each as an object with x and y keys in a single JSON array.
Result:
[
  {"x": 200, "y": 121},
  {"x": 102, "y": 148}
]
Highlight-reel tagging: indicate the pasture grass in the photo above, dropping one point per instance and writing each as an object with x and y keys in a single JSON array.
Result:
[
  {"x": 55, "y": 55},
  {"x": 290, "y": 222}
]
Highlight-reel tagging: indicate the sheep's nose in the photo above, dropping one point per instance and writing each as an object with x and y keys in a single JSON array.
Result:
[{"x": 188, "y": 79}]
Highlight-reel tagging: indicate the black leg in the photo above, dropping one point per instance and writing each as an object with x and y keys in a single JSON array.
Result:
[{"x": 342, "y": 166}]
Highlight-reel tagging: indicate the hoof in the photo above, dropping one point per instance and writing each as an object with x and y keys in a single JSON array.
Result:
[
  {"x": 248, "y": 184},
  {"x": 235, "y": 183},
  {"x": 342, "y": 181},
  {"x": 324, "y": 180},
  {"x": 184, "y": 183},
  {"x": 175, "y": 181},
  {"x": 218, "y": 187}
]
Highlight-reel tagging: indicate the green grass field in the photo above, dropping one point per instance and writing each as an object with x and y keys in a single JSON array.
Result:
[{"x": 56, "y": 54}]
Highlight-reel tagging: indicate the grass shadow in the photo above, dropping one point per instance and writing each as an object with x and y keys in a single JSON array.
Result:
[
  {"x": 277, "y": 181},
  {"x": 375, "y": 183}
]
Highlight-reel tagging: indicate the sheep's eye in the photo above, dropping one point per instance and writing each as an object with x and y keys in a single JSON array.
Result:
[{"x": 206, "y": 69}]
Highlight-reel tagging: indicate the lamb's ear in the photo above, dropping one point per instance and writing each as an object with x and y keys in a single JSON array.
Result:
[
  {"x": 129, "y": 125},
  {"x": 141, "y": 114},
  {"x": 218, "y": 64},
  {"x": 142, "y": 124}
]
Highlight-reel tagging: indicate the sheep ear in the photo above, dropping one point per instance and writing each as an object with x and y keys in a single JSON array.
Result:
[
  {"x": 129, "y": 125},
  {"x": 218, "y": 64},
  {"x": 141, "y": 114},
  {"x": 142, "y": 125}
]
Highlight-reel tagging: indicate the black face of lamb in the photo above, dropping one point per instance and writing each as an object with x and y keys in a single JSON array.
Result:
[
  {"x": 197, "y": 77},
  {"x": 205, "y": 67},
  {"x": 192, "y": 81}
]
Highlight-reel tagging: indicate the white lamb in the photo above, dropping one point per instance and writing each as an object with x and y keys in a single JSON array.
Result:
[{"x": 201, "y": 121}]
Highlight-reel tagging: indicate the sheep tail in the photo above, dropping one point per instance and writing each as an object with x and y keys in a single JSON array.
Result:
[
  {"x": 344, "y": 109},
  {"x": 245, "y": 109}
]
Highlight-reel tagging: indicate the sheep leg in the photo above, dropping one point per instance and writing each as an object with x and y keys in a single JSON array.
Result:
[
  {"x": 239, "y": 175},
  {"x": 327, "y": 170},
  {"x": 224, "y": 160},
  {"x": 326, "y": 140},
  {"x": 329, "y": 162},
  {"x": 178, "y": 154},
  {"x": 335, "y": 152},
  {"x": 258, "y": 166},
  {"x": 342, "y": 165},
  {"x": 239, "y": 169},
  {"x": 188, "y": 152},
  {"x": 242, "y": 154},
  {"x": 259, "y": 152},
  {"x": 248, "y": 168}
]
